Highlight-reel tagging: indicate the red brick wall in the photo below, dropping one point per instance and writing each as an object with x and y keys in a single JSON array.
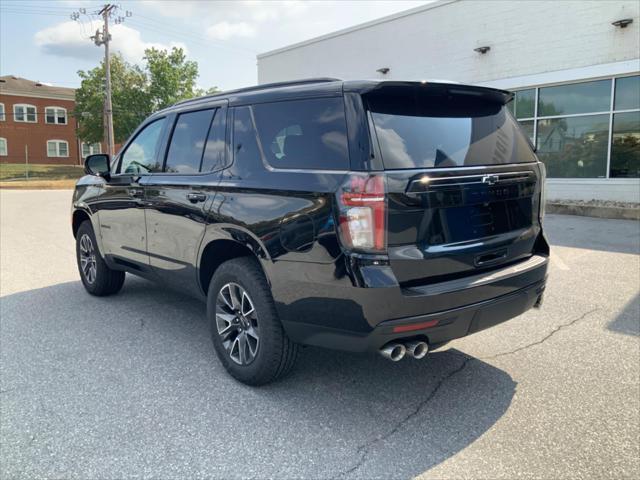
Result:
[{"x": 35, "y": 135}]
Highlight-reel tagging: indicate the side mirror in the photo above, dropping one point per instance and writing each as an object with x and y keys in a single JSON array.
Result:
[{"x": 97, "y": 165}]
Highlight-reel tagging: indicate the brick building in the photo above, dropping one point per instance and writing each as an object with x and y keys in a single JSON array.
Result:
[{"x": 37, "y": 124}]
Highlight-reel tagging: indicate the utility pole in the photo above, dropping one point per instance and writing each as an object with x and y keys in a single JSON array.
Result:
[
  {"x": 26, "y": 160},
  {"x": 108, "y": 111},
  {"x": 104, "y": 38}
]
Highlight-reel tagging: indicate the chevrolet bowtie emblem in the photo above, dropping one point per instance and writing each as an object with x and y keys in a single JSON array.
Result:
[{"x": 490, "y": 179}]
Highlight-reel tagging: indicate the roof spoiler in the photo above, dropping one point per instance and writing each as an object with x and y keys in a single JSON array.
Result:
[{"x": 492, "y": 95}]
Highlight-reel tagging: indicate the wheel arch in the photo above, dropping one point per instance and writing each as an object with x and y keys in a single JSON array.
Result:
[
  {"x": 226, "y": 245},
  {"x": 79, "y": 216}
]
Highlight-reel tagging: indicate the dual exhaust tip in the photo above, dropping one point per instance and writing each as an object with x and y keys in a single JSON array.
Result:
[{"x": 395, "y": 351}]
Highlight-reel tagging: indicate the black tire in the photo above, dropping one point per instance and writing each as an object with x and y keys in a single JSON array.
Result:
[
  {"x": 275, "y": 353},
  {"x": 102, "y": 280}
]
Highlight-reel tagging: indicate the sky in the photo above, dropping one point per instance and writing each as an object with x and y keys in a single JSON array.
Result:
[{"x": 40, "y": 41}]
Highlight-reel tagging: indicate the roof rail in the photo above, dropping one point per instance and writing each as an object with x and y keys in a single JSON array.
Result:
[{"x": 264, "y": 86}]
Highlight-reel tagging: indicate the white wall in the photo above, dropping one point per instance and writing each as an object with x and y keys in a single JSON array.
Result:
[
  {"x": 533, "y": 43},
  {"x": 437, "y": 41},
  {"x": 612, "y": 189}
]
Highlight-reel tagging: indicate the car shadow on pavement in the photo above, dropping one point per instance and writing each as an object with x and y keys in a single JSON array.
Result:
[
  {"x": 628, "y": 321},
  {"x": 119, "y": 379}
]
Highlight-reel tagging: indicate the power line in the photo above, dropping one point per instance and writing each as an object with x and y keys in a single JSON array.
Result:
[
  {"x": 32, "y": 5},
  {"x": 166, "y": 29},
  {"x": 170, "y": 30},
  {"x": 28, "y": 12}
]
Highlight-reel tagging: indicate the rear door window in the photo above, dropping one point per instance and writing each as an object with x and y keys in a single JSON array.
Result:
[
  {"x": 215, "y": 149},
  {"x": 446, "y": 132},
  {"x": 245, "y": 146},
  {"x": 303, "y": 134},
  {"x": 188, "y": 142}
]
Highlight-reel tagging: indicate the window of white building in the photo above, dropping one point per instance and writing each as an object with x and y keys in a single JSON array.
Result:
[{"x": 587, "y": 129}]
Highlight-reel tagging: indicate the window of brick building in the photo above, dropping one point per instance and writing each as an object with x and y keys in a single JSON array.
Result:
[
  {"x": 90, "y": 149},
  {"x": 55, "y": 115},
  {"x": 57, "y": 148},
  {"x": 23, "y": 112}
]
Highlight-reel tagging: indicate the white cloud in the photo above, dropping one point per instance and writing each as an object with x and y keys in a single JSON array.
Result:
[
  {"x": 70, "y": 39},
  {"x": 225, "y": 30},
  {"x": 234, "y": 10},
  {"x": 228, "y": 19}
]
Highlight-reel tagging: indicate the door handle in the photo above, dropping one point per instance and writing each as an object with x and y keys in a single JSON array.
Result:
[
  {"x": 136, "y": 192},
  {"x": 196, "y": 197}
]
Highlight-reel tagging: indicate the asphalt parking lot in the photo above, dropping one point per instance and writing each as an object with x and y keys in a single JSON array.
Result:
[{"x": 129, "y": 387}]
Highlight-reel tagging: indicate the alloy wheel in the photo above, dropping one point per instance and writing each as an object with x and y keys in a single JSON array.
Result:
[
  {"x": 237, "y": 323},
  {"x": 88, "y": 258}
]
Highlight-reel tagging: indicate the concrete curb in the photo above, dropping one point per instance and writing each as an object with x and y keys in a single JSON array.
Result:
[{"x": 598, "y": 211}]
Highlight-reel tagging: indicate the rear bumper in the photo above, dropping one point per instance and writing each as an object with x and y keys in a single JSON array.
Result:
[
  {"x": 357, "y": 308},
  {"x": 449, "y": 324}
]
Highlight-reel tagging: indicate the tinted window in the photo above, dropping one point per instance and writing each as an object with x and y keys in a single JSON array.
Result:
[
  {"x": 627, "y": 93},
  {"x": 575, "y": 98},
  {"x": 527, "y": 128},
  {"x": 214, "y": 152},
  {"x": 187, "y": 142},
  {"x": 574, "y": 147},
  {"x": 416, "y": 132},
  {"x": 245, "y": 146},
  {"x": 304, "y": 133},
  {"x": 525, "y": 101},
  {"x": 140, "y": 155},
  {"x": 625, "y": 148}
]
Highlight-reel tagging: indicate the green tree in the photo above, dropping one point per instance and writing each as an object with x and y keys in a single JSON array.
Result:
[
  {"x": 167, "y": 78},
  {"x": 171, "y": 76},
  {"x": 129, "y": 98}
]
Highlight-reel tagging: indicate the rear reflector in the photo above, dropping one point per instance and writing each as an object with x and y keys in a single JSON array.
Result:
[{"x": 415, "y": 326}]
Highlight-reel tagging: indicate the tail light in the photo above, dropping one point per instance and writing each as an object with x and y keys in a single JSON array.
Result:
[
  {"x": 363, "y": 213},
  {"x": 543, "y": 190}
]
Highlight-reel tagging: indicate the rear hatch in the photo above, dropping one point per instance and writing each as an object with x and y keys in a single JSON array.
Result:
[{"x": 463, "y": 182}]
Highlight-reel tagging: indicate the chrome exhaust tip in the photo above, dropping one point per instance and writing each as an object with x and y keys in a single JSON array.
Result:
[
  {"x": 417, "y": 349},
  {"x": 393, "y": 351}
]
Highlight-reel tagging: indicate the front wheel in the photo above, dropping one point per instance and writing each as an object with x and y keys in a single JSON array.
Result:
[
  {"x": 98, "y": 279},
  {"x": 246, "y": 331}
]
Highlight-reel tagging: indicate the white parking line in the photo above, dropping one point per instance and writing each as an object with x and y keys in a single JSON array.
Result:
[{"x": 557, "y": 262}]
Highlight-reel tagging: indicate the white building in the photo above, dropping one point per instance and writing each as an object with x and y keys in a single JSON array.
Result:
[{"x": 575, "y": 67}]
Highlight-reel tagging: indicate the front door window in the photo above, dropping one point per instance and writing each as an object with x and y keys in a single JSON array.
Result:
[{"x": 141, "y": 155}]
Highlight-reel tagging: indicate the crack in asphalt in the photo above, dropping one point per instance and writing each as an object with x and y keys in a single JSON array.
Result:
[
  {"x": 544, "y": 339},
  {"x": 363, "y": 450}
]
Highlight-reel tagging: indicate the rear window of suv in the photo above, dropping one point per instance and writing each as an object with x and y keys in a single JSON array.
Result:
[
  {"x": 416, "y": 131},
  {"x": 304, "y": 134}
]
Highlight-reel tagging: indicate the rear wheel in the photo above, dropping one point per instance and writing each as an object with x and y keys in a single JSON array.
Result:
[
  {"x": 246, "y": 331},
  {"x": 98, "y": 279}
]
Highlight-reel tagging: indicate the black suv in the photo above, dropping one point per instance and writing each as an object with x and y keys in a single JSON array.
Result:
[{"x": 356, "y": 215}]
